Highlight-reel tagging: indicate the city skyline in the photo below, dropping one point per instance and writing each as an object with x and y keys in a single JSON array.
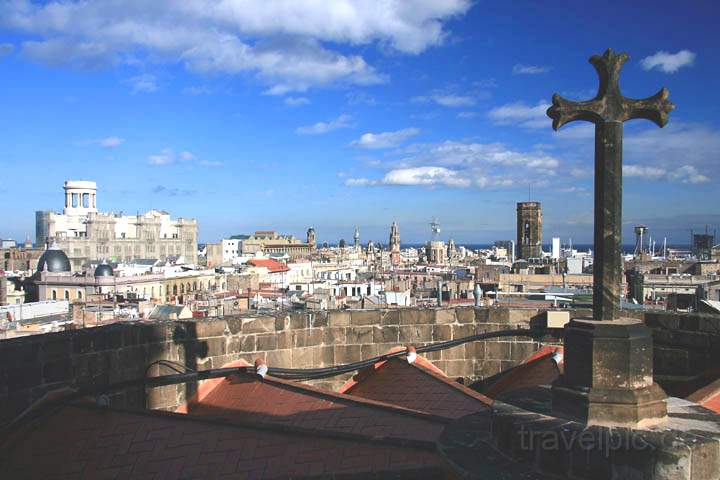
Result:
[{"x": 270, "y": 122}]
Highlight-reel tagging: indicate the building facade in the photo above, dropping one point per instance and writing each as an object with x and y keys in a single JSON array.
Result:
[
  {"x": 269, "y": 242},
  {"x": 86, "y": 234},
  {"x": 529, "y": 230}
]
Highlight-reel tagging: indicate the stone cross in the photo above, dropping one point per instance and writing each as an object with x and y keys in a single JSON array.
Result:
[{"x": 608, "y": 110}]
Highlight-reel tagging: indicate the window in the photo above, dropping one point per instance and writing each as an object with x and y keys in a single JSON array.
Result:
[
  {"x": 67, "y": 295},
  {"x": 86, "y": 200},
  {"x": 54, "y": 295},
  {"x": 79, "y": 294}
]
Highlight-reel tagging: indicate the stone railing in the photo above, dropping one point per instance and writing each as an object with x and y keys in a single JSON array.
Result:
[{"x": 32, "y": 366}]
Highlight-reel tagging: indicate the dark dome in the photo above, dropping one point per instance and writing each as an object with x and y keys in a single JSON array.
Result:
[
  {"x": 104, "y": 270},
  {"x": 54, "y": 260}
]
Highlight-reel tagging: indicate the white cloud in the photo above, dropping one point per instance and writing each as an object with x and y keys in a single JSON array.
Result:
[
  {"x": 144, "y": 83},
  {"x": 520, "y": 69},
  {"x": 447, "y": 100},
  {"x": 384, "y": 139},
  {"x": 286, "y": 43},
  {"x": 165, "y": 157},
  {"x": 643, "y": 171},
  {"x": 296, "y": 101},
  {"x": 107, "y": 142},
  {"x": 343, "y": 121},
  {"x": 360, "y": 98},
  {"x": 521, "y": 114},
  {"x": 185, "y": 156},
  {"x": 6, "y": 49},
  {"x": 688, "y": 174},
  {"x": 669, "y": 62},
  {"x": 463, "y": 164},
  {"x": 467, "y": 115}
]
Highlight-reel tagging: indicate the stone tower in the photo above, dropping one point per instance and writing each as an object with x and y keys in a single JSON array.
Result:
[
  {"x": 394, "y": 244},
  {"x": 529, "y": 230},
  {"x": 356, "y": 239},
  {"x": 311, "y": 240}
]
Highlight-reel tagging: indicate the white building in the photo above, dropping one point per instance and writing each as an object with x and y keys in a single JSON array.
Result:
[{"x": 86, "y": 234}]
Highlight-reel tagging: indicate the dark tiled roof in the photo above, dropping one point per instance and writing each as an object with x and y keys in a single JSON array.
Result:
[
  {"x": 418, "y": 386},
  {"x": 83, "y": 441}
]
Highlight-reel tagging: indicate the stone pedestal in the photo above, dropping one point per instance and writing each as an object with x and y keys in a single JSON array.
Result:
[{"x": 608, "y": 376}]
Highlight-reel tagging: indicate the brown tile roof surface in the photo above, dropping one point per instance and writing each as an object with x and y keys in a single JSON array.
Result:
[
  {"x": 81, "y": 441},
  {"x": 416, "y": 386},
  {"x": 538, "y": 369},
  {"x": 273, "y": 401}
]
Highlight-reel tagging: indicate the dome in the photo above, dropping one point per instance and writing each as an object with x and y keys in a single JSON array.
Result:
[
  {"x": 54, "y": 260},
  {"x": 104, "y": 270}
]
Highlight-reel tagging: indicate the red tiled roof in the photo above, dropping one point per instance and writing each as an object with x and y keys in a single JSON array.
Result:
[
  {"x": 273, "y": 266},
  {"x": 247, "y": 397},
  {"x": 538, "y": 369},
  {"x": 83, "y": 441},
  {"x": 420, "y": 386},
  {"x": 708, "y": 395}
]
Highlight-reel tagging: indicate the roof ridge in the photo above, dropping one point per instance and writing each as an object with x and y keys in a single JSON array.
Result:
[
  {"x": 348, "y": 398},
  {"x": 268, "y": 427}
]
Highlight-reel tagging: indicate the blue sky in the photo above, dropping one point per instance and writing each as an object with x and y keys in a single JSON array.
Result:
[{"x": 284, "y": 114}]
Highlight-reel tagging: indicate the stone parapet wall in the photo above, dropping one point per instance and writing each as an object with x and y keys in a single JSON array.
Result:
[{"x": 32, "y": 366}]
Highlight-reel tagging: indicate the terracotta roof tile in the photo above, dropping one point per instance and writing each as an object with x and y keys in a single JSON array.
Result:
[
  {"x": 273, "y": 266},
  {"x": 538, "y": 369},
  {"x": 81, "y": 441},
  {"x": 247, "y": 397},
  {"x": 419, "y": 386}
]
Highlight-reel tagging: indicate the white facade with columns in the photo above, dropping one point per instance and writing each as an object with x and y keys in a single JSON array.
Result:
[{"x": 85, "y": 234}]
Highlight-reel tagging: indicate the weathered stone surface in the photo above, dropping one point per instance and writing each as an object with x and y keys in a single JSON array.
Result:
[
  {"x": 441, "y": 333},
  {"x": 465, "y": 314},
  {"x": 361, "y": 335},
  {"x": 365, "y": 317},
  {"x": 268, "y": 341},
  {"x": 443, "y": 316},
  {"x": 333, "y": 336},
  {"x": 280, "y": 358},
  {"x": 386, "y": 334},
  {"x": 338, "y": 318},
  {"x": 415, "y": 333},
  {"x": 258, "y": 325},
  {"x": 416, "y": 316}
]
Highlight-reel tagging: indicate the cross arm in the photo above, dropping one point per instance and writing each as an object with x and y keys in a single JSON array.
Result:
[
  {"x": 655, "y": 108},
  {"x": 565, "y": 111}
]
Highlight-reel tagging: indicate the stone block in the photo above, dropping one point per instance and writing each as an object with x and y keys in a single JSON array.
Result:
[
  {"x": 333, "y": 336},
  {"x": 412, "y": 316},
  {"x": 210, "y": 328},
  {"x": 365, "y": 317},
  {"x": 280, "y": 358},
  {"x": 359, "y": 335},
  {"x": 390, "y": 317},
  {"x": 258, "y": 325},
  {"x": 456, "y": 368},
  {"x": 710, "y": 324},
  {"x": 465, "y": 314},
  {"x": 482, "y": 315},
  {"x": 386, "y": 334},
  {"x": 444, "y": 316},
  {"x": 441, "y": 333},
  {"x": 415, "y": 334},
  {"x": 338, "y": 318},
  {"x": 302, "y": 357},
  {"x": 519, "y": 350},
  {"x": 454, "y": 353},
  {"x": 319, "y": 319},
  {"x": 475, "y": 350},
  {"x": 234, "y": 324},
  {"x": 267, "y": 341},
  {"x": 282, "y": 322},
  {"x": 497, "y": 350},
  {"x": 323, "y": 356},
  {"x": 462, "y": 331},
  {"x": 299, "y": 320},
  {"x": 284, "y": 339},
  {"x": 347, "y": 353},
  {"x": 307, "y": 337},
  {"x": 215, "y": 346}
]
